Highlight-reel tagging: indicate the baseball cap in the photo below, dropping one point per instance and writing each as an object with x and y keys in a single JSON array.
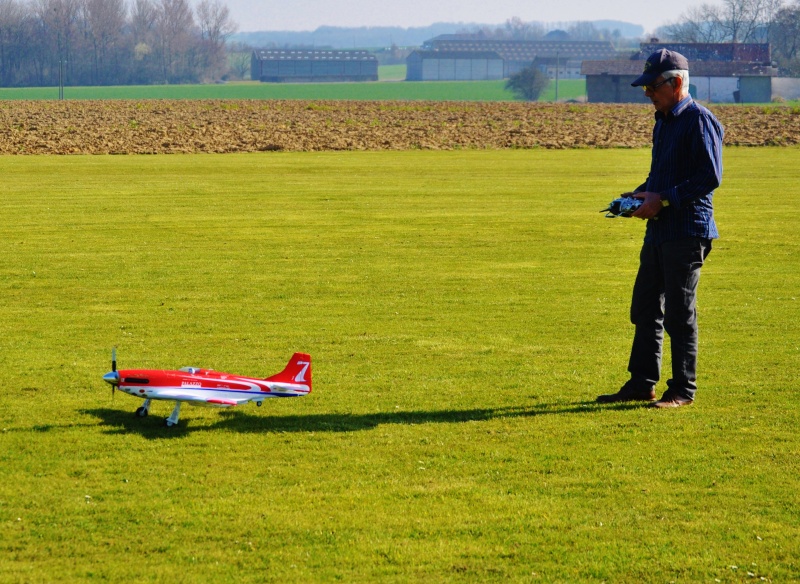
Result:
[{"x": 659, "y": 62}]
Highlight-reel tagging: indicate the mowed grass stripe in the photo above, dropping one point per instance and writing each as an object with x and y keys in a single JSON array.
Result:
[
  {"x": 463, "y": 309},
  {"x": 382, "y": 90}
]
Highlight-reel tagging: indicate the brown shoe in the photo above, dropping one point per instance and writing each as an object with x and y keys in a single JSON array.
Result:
[
  {"x": 626, "y": 395},
  {"x": 672, "y": 401}
]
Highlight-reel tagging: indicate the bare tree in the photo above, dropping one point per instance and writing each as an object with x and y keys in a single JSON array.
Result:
[
  {"x": 745, "y": 20},
  {"x": 173, "y": 28},
  {"x": 517, "y": 29},
  {"x": 104, "y": 22},
  {"x": 143, "y": 21},
  {"x": 57, "y": 34},
  {"x": 215, "y": 21},
  {"x": 735, "y": 21},
  {"x": 239, "y": 55},
  {"x": 143, "y": 16},
  {"x": 13, "y": 17},
  {"x": 785, "y": 38},
  {"x": 216, "y": 27},
  {"x": 513, "y": 29},
  {"x": 585, "y": 31},
  {"x": 697, "y": 25},
  {"x": 771, "y": 10}
]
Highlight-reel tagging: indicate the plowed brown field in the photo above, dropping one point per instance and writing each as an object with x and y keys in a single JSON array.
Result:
[{"x": 155, "y": 127}]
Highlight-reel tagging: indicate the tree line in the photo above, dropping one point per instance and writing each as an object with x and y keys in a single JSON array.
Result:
[
  {"x": 112, "y": 42},
  {"x": 519, "y": 30},
  {"x": 744, "y": 21}
]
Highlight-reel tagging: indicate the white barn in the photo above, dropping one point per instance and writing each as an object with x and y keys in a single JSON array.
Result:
[
  {"x": 454, "y": 66},
  {"x": 709, "y": 81}
]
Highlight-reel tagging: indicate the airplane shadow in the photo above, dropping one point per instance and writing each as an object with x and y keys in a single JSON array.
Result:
[{"x": 152, "y": 427}]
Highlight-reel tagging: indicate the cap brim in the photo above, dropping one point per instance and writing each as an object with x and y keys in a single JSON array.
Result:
[{"x": 645, "y": 79}]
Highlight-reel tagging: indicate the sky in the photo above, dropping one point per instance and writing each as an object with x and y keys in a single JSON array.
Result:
[{"x": 307, "y": 15}]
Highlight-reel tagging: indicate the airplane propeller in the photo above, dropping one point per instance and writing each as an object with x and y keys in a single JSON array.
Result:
[{"x": 112, "y": 378}]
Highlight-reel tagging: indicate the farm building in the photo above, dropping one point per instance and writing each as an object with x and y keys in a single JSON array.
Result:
[
  {"x": 720, "y": 73},
  {"x": 727, "y": 52},
  {"x": 454, "y": 66},
  {"x": 434, "y": 61},
  {"x": 280, "y": 66}
]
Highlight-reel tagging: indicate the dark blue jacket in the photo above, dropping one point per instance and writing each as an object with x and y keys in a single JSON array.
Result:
[{"x": 686, "y": 167}]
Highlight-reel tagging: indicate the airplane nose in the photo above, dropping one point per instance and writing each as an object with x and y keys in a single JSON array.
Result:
[{"x": 111, "y": 377}]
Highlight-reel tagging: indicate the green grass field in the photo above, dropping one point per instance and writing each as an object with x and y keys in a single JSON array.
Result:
[
  {"x": 392, "y": 73},
  {"x": 387, "y": 89},
  {"x": 463, "y": 309}
]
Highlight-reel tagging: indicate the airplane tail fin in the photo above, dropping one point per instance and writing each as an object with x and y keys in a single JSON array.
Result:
[{"x": 296, "y": 375}]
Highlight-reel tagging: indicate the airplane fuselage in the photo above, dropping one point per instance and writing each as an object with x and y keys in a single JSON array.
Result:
[{"x": 204, "y": 386}]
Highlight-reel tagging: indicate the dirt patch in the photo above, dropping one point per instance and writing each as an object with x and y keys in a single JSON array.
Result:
[{"x": 183, "y": 126}]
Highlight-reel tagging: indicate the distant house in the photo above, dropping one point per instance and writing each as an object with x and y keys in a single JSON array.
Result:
[
  {"x": 719, "y": 73},
  {"x": 281, "y": 66},
  {"x": 549, "y": 56}
]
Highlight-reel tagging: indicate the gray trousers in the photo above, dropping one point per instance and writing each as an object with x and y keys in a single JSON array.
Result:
[{"x": 665, "y": 298}]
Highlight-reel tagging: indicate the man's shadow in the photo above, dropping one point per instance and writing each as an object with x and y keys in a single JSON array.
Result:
[{"x": 153, "y": 427}]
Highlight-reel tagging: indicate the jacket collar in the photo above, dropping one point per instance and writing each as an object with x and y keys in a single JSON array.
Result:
[{"x": 677, "y": 109}]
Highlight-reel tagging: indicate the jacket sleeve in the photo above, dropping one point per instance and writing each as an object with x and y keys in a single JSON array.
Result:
[{"x": 704, "y": 146}]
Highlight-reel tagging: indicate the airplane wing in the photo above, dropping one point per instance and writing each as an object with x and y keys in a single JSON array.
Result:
[{"x": 199, "y": 400}]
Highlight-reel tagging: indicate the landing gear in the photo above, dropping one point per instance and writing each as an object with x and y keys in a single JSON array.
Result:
[
  {"x": 144, "y": 410},
  {"x": 173, "y": 418}
]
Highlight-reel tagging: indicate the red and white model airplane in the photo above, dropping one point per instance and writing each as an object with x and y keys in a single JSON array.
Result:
[{"x": 208, "y": 388}]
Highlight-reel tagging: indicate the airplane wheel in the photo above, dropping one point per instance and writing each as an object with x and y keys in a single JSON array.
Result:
[
  {"x": 141, "y": 412},
  {"x": 169, "y": 424}
]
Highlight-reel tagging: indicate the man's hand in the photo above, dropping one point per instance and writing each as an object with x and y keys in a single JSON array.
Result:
[{"x": 651, "y": 205}]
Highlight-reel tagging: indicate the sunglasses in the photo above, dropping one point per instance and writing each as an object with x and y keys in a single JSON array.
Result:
[{"x": 656, "y": 85}]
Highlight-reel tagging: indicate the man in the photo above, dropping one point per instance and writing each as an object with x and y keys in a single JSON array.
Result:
[{"x": 685, "y": 168}]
